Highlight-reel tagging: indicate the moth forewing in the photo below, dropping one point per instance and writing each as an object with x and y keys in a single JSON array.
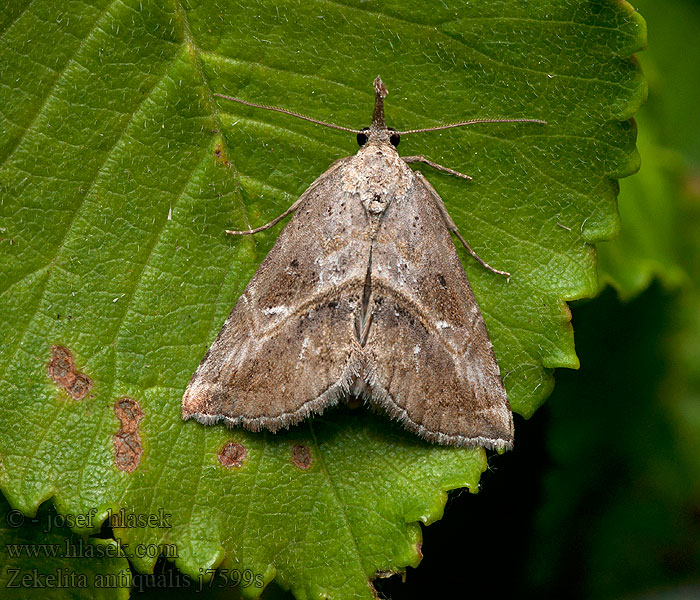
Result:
[{"x": 282, "y": 352}]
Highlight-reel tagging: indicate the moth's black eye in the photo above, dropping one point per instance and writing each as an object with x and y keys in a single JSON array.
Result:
[
  {"x": 395, "y": 138},
  {"x": 362, "y": 137}
]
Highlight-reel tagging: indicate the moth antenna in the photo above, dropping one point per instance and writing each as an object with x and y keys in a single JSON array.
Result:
[
  {"x": 288, "y": 112},
  {"x": 472, "y": 122}
]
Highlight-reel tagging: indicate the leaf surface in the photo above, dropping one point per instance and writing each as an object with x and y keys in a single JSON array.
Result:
[{"x": 120, "y": 172}]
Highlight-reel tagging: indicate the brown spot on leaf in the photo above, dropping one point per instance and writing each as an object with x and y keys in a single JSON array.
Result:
[
  {"x": 62, "y": 370},
  {"x": 219, "y": 155},
  {"x": 127, "y": 442},
  {"x": 232, "y": 454},
  {"x": 301, "y": 456}
]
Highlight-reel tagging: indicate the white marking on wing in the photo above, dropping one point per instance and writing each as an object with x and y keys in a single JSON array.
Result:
[{"x": 304, "y": 346}]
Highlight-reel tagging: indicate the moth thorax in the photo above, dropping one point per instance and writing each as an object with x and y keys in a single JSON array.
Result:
[
  {"x": 377, "y": 205},
  {"x": 378, "y": 177}
]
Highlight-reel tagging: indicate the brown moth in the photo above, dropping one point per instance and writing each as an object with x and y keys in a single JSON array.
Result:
[{"x": 363, "y": 295}]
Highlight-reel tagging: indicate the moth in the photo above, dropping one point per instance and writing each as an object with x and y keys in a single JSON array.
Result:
[{"x": 362, "y": 296}]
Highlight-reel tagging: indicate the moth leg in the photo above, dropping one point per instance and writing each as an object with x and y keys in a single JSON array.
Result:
[
  {"x": 272, "y": 223},
  {"x": 453, "y": 228},
  {"x": 421, "y": 158},
  {"x": 336, "y": 165}
]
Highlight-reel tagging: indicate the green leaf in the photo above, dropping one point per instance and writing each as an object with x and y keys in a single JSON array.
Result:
[
  {"x": 120, "y": 172},
  {"x": 648, "y": 246},
  {"x": 674, "y": 83}
]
